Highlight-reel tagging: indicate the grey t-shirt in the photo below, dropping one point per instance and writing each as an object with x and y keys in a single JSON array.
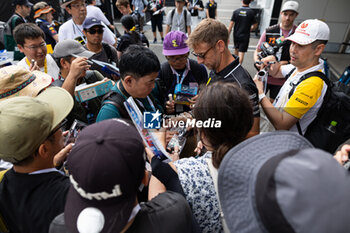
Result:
[{"x": 177, "y": 22}]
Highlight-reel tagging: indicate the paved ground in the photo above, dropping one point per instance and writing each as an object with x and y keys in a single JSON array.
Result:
[{"x": 225, "y": 9}]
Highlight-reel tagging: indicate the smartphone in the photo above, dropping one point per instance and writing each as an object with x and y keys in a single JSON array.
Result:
[{"x": 74, "y": 130}]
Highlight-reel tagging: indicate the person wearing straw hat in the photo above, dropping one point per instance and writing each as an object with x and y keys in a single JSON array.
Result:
[
  {"x": 33, "y": 191},
  {"x": 43, "y": 18}
]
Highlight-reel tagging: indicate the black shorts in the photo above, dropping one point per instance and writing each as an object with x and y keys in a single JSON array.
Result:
[{"x": 241, "y": 44}]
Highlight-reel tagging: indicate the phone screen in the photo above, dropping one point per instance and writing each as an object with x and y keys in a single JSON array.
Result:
[{"x": 74, "y": 130}]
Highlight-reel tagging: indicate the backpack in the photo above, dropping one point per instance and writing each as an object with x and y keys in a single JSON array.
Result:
[
  {"x": 117, "y": 100},
  {"x": 185, "y": 13},
  {"x": 9, "y": 41},
  {"x": 331, "y": 127},
  {"x": 108, "y": 51}
]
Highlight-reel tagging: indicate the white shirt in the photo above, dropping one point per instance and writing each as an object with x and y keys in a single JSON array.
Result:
[
  {"x": 70, "y": 30},
  {"x": 52, "y": 68},
  {"x": 95, "y": 12},
  {"x": 282, "y": 97}
]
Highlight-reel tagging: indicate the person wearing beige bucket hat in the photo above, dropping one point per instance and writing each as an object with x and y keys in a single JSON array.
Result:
[
  {"x": 18, "y": 81},
  {"x": 30, "y": 138}
]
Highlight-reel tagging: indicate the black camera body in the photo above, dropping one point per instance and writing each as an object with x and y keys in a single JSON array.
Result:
[{"x": 268, "y": 50}]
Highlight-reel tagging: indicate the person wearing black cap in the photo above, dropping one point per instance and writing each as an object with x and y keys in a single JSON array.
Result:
[
  {"x": 22, "y": 10},
  {"x": 107, "y": 168},
  {"x": 93, "y": 31}
]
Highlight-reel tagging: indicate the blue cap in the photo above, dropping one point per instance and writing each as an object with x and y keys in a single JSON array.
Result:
[{"x": 90, "y": 22}]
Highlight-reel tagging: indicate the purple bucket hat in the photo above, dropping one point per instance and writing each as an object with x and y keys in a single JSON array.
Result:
[{"x": 174, "y": 44}]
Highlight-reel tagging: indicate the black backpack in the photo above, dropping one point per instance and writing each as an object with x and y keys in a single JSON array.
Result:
[
  {"x": 331, "y": 127},
  {"x": 185, "y": 18}
]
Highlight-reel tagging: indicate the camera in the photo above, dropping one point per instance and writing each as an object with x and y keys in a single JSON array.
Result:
[{"x": 268, "y": 50}]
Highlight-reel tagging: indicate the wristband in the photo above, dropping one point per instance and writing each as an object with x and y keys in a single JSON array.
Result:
[{"x": 261, "y": 96}]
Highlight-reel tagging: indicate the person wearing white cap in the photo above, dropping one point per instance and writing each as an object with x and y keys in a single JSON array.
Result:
[
  {"x": 297, "y": 103},
  {"x": 274, "y": 35}
]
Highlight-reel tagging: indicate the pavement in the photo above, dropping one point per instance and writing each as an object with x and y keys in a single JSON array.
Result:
[
  {"x": 337, "y": 62},
  {"x": 225, "y": 9}
]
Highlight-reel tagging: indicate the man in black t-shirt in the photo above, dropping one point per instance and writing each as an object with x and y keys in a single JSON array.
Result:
[
  {"x": 244, "y": 21},
  {"x": 209, "y": 42},
  {"x": 33, "y": 191},
  {"x": 211, "y": 9}
]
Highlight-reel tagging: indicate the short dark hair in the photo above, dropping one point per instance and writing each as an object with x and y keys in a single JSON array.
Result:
[
  {"x": 229, "y": 104},
  {"x": 247, "y": 2},
  {"x": 58, "y": 60},
  {"x": 138, "y": 61},
  {"x": 27, "y": 31},
  {"x": 318, "y": 42}
]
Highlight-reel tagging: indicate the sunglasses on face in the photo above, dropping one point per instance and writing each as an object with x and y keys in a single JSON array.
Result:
[{"x": 94, "y": 31}]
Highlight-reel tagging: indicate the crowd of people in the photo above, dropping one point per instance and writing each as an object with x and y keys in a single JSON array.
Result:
[{"x": 231, "y": 177}]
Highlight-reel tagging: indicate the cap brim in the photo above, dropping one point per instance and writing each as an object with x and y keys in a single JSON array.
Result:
[
  {"x": 85, "y": 53},
  {"x": 174, "y": 52},
  {"x": 94, "y": 24},
  {"x": 237, "y": 175},
  {"x": 41, "y": 82},
  {"x": 300, "y": 39},
  {"x": 64, "y": 5},
  {"x": 45, "y": 11},
  {"x": 29, "y": 4},
  {"x": 60, "y": 101},
  {"x": 116, "y": 216}
]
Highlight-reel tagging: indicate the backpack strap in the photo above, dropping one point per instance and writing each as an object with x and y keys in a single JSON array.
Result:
[
  {"x": 117, "y": 100},
  {"x": 308, "y": 75},
  {"x": 185, "y": 17},
  {"x": 304, "y": 77},
  {"x": 3, "y": 226},
  {"x": 172, "y": 16},
  {"x": 108, "y": 51}
]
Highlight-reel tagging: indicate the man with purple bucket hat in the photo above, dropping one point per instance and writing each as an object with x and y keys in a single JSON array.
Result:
[{"x": 178, "y": 71}]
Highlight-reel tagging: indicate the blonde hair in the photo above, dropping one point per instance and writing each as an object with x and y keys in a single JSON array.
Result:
[{"x": 208, "y": 31}]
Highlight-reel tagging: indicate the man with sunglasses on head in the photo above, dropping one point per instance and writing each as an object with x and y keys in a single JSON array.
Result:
[
  {"x": 209, "y": 42},
  {"x": 93, "y": 31},
  {"x": 33, "y": 191},
  {"x": 30, "y": 40},
  {"x": 178, "y": 69},
  {"x": 73, "y": 28}
]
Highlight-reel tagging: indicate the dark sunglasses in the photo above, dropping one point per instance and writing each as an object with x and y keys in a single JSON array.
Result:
[
  {"x": 60, "y": 126},
  {"x": 93, "y": 31}
]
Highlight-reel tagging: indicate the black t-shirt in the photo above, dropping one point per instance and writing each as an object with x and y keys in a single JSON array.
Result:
[
  {"x": 195, "y": 3},
  {"x": 234, "y": 72},
  {"x": 168, "y": 212},
  {"x": 243, "y": 18},
  {"x": 211, "y": 9},
  {"x": 29, "y": 203},
  {"x": 109, "y": 56}
]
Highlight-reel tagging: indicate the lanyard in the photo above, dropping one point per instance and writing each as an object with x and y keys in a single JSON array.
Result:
[
  {"x": 289, "y": 33},
  {"x": 45, "y": 64},
  {"x": 80, "y": 32},
  {"x": 179, "y": 20},
  {"x": 184, "y": 74},
  {"x": 121, "y": 89}
]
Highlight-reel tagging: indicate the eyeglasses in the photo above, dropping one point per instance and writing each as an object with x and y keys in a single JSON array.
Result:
[
  {"x": 177, "y": 58},
  {"x": 78, "y": 5},
  {"x": 94, "y": 31},
  {"x": 60, "y": 126},
  {"x": 202, "y": 55},
  {"x": 35, "y": 47}
]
